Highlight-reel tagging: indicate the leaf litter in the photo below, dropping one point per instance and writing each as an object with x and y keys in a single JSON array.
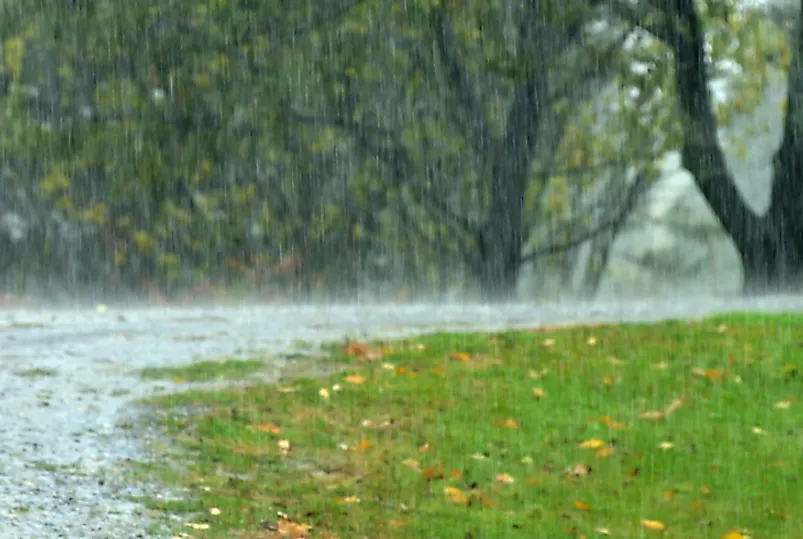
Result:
[{"x": 479, "y": 437}]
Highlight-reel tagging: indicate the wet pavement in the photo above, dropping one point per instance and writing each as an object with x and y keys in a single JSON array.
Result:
[{"x": 67, "y": 379}]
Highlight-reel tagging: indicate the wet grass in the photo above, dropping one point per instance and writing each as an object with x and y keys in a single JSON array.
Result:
[
  {"x": 681, "y": 429},
  {"x": 37, "y": 373},
  {"x": 205, "y": 371}
]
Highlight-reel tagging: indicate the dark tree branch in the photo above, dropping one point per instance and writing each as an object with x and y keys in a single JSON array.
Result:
[{"x": 611, "y": 224}]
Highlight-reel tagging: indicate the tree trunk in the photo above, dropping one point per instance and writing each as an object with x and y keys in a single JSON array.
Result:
[{"x": 770, "y": 246}]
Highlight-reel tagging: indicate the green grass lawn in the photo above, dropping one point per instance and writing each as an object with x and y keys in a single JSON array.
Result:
[{"x": 681, "y": 429}]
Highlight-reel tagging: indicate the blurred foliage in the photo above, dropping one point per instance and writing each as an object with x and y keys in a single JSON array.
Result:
[{"x": 303, "y": 144}]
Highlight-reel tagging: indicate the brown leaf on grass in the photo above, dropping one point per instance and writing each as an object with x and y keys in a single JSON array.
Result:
[
  {"x": 396, "y": 523},
  {"x": 361, "y": 351},
  {"x": 652, "y": 415},
  {"x": 411, "y": 463},
  {"x": 460, "y": 356},
  {"x": 654, "y": 525},
  {"x": 607, "y": 420},
  {"x": 582, "y": 506},
  {"x": 507, "y": 423},
  {"x": 711, "y": 374},
  {"x": 578, "y": 470},
  {"x": 347, "y": 500},
  {"x": 657, "y": 415},
  {"x": 433, "y": 472}
]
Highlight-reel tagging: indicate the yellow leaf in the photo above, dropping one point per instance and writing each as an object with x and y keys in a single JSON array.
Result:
[
  {"x": 324, "y": 393},
  {"x": 781, "y": 405},
  {"x": 538, "y": 392},
  {"x": 593, "y": 443},
  {"x": 581, "y": 506},
  {"x": 460, "y": 356},
  {"x": 666, "y": 445},
  {"x": 607, "y": 380},
  {"x": 604, "y": 452},
  {"x": 733, "y": 534},
  {"x": 654, "y": 525},
  {"x": 505, "y": 478},
  {"x": 652, "y": 415},
  {"x": 455, "y": 495},
  {"x": 411, "y": 463},
  {"x": 354, "y": 379},
  {"x": 507, "y": 423}
]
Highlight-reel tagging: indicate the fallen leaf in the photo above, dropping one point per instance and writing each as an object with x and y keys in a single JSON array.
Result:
[
  {"x": 362, "y": 445},
  {"x": 548, "y": 343},
  {"x": 411, "y": 463},
  {"x": 324, "y": 393},
  {"x": 666, "y": 445},
  {"x": 607, "y": 380},
  {"x": 674, "y": 405},
  {"x": 614, "y": 360},
  {"x": 354, "y": 379},
  {"x": 197, "y": 526},
  {"x": 505, "y": 478},
  {"x": 593, "y": 443},
  {"x": 781, "y": 405},
  {"x": 578, "y": 470},
  {"x": 455, "y": 495},
  {"x": 654, "y": 525},
  {"x": 668, "y": 495},
  {"x": 733, "y": 534},
  {"x": 652, "y": 415},
  {"x": 269, "y": 427},
  {"x": 433, "y": 472},
  {"x": 507, "y": 423},
  {"x": 285, "y": 389},
  {"x": 214, "y": 511},
  {"x": 660, "y": 366},
  {"x": 581, "y": 505},
  {"x": 460, "y": 356},
  {"x": 538, "y": 392},
  {"x": 395, "y": 523},
  {"x": 347, "y": 500},
  {"x": 284, "y": 447},
  {"x": 604, "y": 452},
  {"x": 759, "y": 430}
]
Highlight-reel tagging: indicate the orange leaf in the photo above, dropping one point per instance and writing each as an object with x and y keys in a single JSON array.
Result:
[
  {"x": 397, "y": 523},
  {"x": 507, "y": 423},
  {"x": 269, "y": 427},
  {"x": 654, "y": 525},
  {"x": 432, "y": 472},
  {"x": 454, "y": 473},
  {"x": 460, "y": 356},
  {"x": 362, "y": 445},
  {"x": 733, "y": 534},
  {"x": 581, "y": 506},
  {"x": 668, "y": 495},
  {"x": 354, "y": 379}
]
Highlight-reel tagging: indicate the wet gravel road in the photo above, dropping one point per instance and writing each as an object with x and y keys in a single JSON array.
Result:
[{"x": 67, "y": 379}]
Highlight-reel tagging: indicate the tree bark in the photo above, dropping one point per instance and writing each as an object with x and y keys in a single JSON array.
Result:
[{"x": 770, "y": 245}]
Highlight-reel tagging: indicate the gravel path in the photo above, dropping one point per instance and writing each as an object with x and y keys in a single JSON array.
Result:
[{"x": 67, "y": 377}]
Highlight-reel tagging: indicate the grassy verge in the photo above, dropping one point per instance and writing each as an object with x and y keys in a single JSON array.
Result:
[{"x": 681, "y": 429}]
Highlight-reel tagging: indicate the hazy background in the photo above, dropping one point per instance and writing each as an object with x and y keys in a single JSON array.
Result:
[{"x": 367, "y": 150}]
